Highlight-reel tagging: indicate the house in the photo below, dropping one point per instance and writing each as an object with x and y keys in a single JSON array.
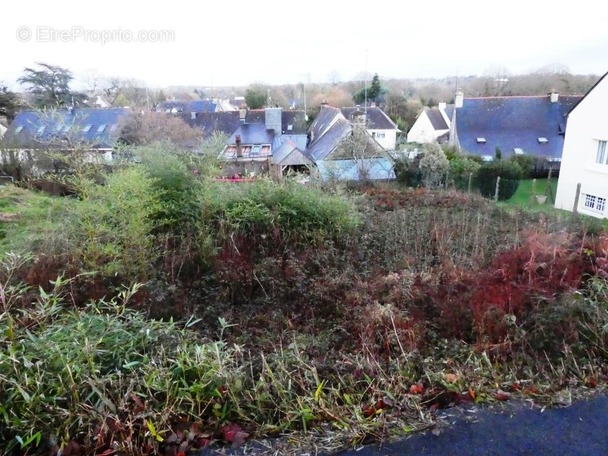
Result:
[
  {"x": 432, "y": 125},
  {"x": 378, "y": 124},
  {"x": 583, "y": 181},
  {"x": 65, "y": 129},
  {"x": 91, "y": 131},
  {"x": 270, "y": 140},
  {"x": 346, "y": 150},
  {"x": 533, "y": 125}
]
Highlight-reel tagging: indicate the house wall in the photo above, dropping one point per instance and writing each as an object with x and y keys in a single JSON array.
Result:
[
  {"x": 386, "y": 138},
  {"x": 423, "y": 132},
  {"x": 586, "y": 126}
]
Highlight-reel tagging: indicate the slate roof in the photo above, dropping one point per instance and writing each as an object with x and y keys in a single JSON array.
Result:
[
  {"x": 514, "y": 122},
  {"x": 298, "y": 140},
  {"x": 209, "y": 122},
  {"x": 323, "y": 121},
  {"x": 322, "y": 146},
  {"x": 252, "y": 134},
  {"x": 187, "y": 106},
  {"x": 295, "y": 118},
  {"x": 352, "y": 170},
  {"x": 62, "y": 128},
  {"x": 437, "y": 120},
  {"x": 376, "y": 117}
]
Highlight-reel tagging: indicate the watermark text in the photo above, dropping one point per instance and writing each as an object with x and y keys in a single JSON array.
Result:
[{"x": 46, "y": 34}]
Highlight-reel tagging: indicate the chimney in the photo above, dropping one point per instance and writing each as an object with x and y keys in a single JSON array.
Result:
[
  {"x": 242, "y": 115},
  {"x": 324, "y": 103},
  {"x": 442, "y": 105},
  {"x": 554, "y": 97},
  {"x": 239, "y": 151},
  {"x": 459, "y": 100},
  {"x": 273, "y": 121},
  {"x": 192, "y": 115}
]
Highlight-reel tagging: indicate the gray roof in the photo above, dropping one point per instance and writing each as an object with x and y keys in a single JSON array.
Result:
[
  {"x": 225, "y": 122},
  {"x": 294, "y": 118},
  {"x": 437, "y": 120},
  {"x": 329, "y": 141},
  {"x": 252, "y": 134},
  {"x": 322, "y": 122},
  {"x": 376, "y": 117}
]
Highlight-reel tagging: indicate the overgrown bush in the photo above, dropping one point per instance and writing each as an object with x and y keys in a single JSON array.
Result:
[
  {"x": 433, "y": 166},
  {"x": 111, "y": 229},
  {"x": 462, "y": 171},
  {"x": 510, "y": 174}
]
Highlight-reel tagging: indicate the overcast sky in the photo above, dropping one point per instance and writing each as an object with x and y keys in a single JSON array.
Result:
[{"x": 223, "y": 43}]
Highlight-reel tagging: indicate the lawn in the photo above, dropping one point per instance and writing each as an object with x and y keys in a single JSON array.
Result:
[{"x": 524, "y": 196}]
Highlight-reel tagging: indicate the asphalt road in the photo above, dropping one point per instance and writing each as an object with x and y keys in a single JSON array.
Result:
[{"x": 580, "y": 429}]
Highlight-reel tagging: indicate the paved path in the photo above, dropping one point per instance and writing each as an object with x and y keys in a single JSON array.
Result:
[{"x": 578, "y": 430}]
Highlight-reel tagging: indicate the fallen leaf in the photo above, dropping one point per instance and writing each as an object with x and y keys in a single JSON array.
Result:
[
  {"x": 501, "y": 395},
  {"x": 233, "y": 433},
  {"x": 472, "y": 394},
  {"x": 451, "y": 378}
]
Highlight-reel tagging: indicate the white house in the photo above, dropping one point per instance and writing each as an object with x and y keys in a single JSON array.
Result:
[
  {"x": 585, "y": 155},
  {"x": 431, "y": 125},
  {"x": 377, "y": 123}
]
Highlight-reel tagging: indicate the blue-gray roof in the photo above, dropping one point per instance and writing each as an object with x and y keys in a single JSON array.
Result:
[
  {"x": 353, "y": 170},
  {"x": 252, "y": 134},
  {"x": 329, "y": 140},
  {"x": 293, "y": 122},
  {"x": 209, "y": 122},
  {"x": 187, "y": 106},
  {"x": 513, "y": 123},
  {"x": 376, "y": 117},
  {"x": 63, "y": 128}
]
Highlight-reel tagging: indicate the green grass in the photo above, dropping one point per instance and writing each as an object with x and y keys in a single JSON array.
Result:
[{"x": 524, "y": 197}]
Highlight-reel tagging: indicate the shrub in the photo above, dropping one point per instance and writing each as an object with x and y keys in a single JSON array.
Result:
[
  {"x": 407, "y": 171},
  {"x": 112, "y": 227},
  {"x": 509, "y": 173},
  {"x": 433, "y": 166},
  {"x": 461, "y": 167}
]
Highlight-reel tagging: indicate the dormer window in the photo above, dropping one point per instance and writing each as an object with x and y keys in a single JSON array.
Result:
[
  {"x": 542, "y": 140},
  {"x": 481, "y": 140}
]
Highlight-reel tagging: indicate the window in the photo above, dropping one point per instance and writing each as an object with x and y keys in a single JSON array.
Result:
[
  {"x": 481, "y": 140},
  {"x": 18, "y": 129},
  {"x": 594, "y": 203},
  {"x": 542, "y": 140},
  {"x": 518, "y": 151},
  {"x": 379, "y": 135},
  {"x": 86, "y": 128},
  {"x": 600, "y": 156},
  {"x": 101, "y": 128},
  {"x": 41, "y": 130}
]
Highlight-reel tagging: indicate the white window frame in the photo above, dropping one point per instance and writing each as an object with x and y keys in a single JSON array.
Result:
[{"x": 594, "y": 203}]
